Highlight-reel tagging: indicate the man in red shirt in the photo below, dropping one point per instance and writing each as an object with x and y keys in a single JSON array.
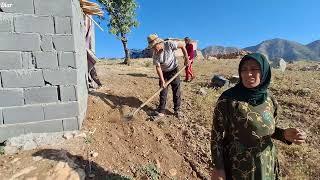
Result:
[{"x": 190, "y": 51}]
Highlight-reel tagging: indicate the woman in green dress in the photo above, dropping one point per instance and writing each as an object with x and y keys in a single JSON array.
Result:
[{"x": 244, "y": 124}]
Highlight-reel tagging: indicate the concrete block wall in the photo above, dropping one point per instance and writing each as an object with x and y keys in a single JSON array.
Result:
[{"x": 43, "y": 67}]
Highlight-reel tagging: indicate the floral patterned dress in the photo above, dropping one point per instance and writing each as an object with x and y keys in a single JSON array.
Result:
[{"x": 241, "y": 139}]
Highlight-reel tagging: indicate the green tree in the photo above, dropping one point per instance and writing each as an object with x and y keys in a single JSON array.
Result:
[{"x": 122, "y": 17}]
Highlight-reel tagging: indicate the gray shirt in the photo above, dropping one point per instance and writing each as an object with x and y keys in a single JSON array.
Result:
[{"x": 166, "y": 59}]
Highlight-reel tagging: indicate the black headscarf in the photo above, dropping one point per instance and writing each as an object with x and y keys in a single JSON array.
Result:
[{"x": 253, "y": 96}]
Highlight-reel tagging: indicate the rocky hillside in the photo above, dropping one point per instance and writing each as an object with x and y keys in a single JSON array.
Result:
[
  {"x": 315, "y": 47},
  {"x": 220, "y": 52},
  {"x": 140, "y": 53},
  {"x": 214, "y": 50},
  {"x": 288, "y": 50},
  {"x": 274, "y": 48}
]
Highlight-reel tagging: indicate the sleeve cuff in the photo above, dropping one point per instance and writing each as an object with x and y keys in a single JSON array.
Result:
[{"x": 279, "y": 135}]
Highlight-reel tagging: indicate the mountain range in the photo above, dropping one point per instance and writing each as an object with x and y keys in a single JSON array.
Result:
[{"x": 274, "y": 48}]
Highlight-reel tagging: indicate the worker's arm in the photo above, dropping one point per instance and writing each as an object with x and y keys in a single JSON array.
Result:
[
  {"x": 160, "y": 74},
  {"x": 185, "y": 53}
]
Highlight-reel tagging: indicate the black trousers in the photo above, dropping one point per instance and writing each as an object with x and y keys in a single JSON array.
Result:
[
  {"x": 94, "y": 76},
  {"x": 175, "y": 85}
]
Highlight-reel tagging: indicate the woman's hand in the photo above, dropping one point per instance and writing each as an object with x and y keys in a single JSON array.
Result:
[
  {"x": 295, "y": 135},
  {"x": 218, "y": 174}
]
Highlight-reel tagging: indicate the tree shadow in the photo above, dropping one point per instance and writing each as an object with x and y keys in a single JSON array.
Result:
[
  {"x": 78, "y": 162},
  {"x": 118, "y": 102}
]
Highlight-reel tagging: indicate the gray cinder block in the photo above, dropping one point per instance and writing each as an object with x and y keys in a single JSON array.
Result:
[
  {"x": 28, "y": 60},
  {"x": 56, "y": 7},
  {"x": 61, "y": 110},
  {"x": 10, "y": 131},
  {"x": 14, "y": 115},
  {"x": 46, "y": 43},
  {"x": 61, "y": 76},
  {"x": 68, "y": 93},
  {"x": 18, "y": 6},
  {"x": 26, "y": 42},
  {"x": 63, "y": 42},
  {"x": 62, "y": 25},
  {"x": 44, "y": 126},
  {"x": 33, "y": 24},
  {"x": 48, "y": 60},
  {"x": 22, "y": 78},
  {"x": 67, "y": 59},
  {"x": 6, "y": 22},
  {"x": 41, "y": 95},
  {"x": 11, "y": 97},
  {"x": 10, "y": 60},
  {"x": 70, "y": 124}
]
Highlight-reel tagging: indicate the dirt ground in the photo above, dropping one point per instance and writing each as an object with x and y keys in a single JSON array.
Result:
[{"x": 117, "y": 148}]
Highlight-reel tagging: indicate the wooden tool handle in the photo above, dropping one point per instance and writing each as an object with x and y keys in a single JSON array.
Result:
[{"x": 156, "y": 93}]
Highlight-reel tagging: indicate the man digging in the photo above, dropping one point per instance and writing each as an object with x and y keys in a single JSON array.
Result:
[{"x": 167, "y": 66}]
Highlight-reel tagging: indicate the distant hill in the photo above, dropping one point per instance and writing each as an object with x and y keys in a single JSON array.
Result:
[
  {"x": 315, "y": 47},
  {"x": 140, "y": 53},
  {"x": 288, "y": 50},
  {"x": 274, "y": 48},
  {"x": 215, "y": 50}
]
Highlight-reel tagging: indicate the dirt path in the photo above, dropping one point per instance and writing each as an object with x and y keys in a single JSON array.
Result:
[{"x": 140, "y": 143}]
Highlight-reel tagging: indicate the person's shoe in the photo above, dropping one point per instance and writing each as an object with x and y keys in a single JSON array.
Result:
[
  {"x": 157, "y": 115},
  {"x": 179, "y": 115},
  {"x": 192, "y": 78}
]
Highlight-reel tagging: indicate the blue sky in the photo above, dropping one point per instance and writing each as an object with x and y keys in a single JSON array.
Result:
[{"x": 238, "y": 23}]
